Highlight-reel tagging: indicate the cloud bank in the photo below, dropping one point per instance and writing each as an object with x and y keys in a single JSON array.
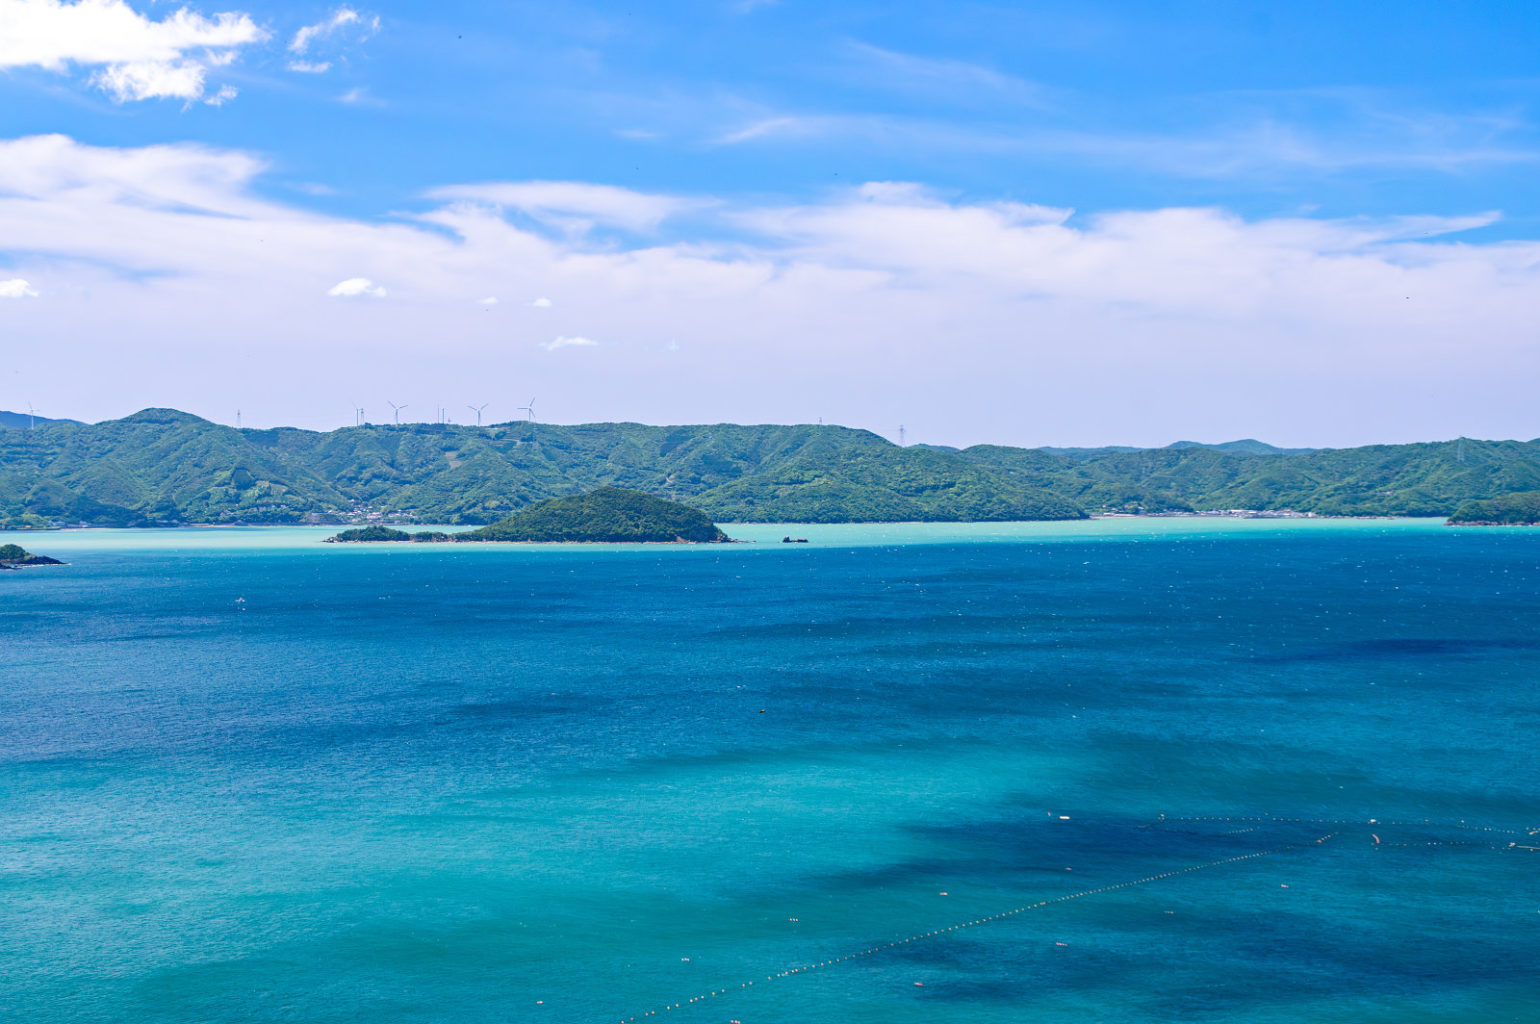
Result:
[{"x": 986, "y": 320}]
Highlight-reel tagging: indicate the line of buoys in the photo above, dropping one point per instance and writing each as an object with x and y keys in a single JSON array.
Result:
[
  {"x": 896, "y": 943},
  {"x": 871, "y": 951},
  {"x": 1461, "y": 825}
]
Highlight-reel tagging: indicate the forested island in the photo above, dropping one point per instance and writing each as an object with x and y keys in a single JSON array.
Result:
[
  {"x": 160, "y": 467},
  {"x": 14, "y": 556},
  {"x": 608, "y": 515}
]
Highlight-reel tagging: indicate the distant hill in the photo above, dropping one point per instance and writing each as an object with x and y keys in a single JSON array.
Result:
[
  {"x": 1088, "y": 453},
  {"x": 609, "y": 514},
  {"x": 1246, "y": 446},
  {"x": 164, "y": 467},
  {"x": 23, "y": 421}
]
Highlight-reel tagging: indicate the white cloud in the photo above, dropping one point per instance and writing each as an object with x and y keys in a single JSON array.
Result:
[
  {"x": 150, "y": 79},
  {"x": 16, "y": 288},
  {"x": 138, "y": 57},
  {"x": 1008, "y": 321},
  {"x": 355, "y": 286},
  {"x": 541, "y": 303},
  {"x": 310, "y": 67},
  {"x": 225, "y": 94},
  {"x": 567, "y": 342},
  {"x": 341, "y": 18},
  {"x": 490, "y": 300}
]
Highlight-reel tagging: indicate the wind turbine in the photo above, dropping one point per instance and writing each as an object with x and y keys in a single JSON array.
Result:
[
  {"x": 530, "y": 409},
  {"x": 32, "y": 416},
  {"x": 397, "y": 409},
  {"x": 900, "y": 435},
  {"x": 477, "y": 410}
]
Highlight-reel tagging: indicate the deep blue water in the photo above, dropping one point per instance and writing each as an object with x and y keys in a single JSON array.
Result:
[{"x": 245, "y": 777}]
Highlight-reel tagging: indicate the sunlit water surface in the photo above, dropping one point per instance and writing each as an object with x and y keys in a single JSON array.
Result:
[{"x": 245, "y": 776}]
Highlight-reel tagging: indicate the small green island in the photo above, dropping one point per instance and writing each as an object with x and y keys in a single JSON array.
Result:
[
  {"x": 14, "y": 556},
  {"x": 1520, "y": 509},
  {"x": 610, "y": 515},
  {"x": 377, "y": 534}
]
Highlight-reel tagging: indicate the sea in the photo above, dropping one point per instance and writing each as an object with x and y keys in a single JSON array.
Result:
[{"x": 1131, "y": 770}]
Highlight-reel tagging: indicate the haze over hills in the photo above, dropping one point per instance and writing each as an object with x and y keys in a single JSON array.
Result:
[
  {"x": 164, "y": 467},
  {"x": 24, "y": 420}
]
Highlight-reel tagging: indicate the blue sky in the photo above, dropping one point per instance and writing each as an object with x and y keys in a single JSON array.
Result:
[{"x": 1144, "y": 221}]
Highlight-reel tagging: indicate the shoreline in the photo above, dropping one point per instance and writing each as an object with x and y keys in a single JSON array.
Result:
[{"x": 1278, "y": 515}]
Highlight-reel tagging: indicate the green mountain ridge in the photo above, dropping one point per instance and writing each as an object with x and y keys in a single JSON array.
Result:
[{"x": 165, "y": 467}]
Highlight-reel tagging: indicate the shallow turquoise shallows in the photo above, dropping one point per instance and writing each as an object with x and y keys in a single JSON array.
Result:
[{"x": 246, "y": 776}]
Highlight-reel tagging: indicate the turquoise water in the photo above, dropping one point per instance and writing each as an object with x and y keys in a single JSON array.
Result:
[{"x": 245, "y": 776}]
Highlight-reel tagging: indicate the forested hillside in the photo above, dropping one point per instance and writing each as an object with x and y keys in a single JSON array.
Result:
[{"x": 165, "y": 467}]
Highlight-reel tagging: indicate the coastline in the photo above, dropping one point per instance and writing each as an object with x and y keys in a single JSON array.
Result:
[
  {"x": 753, "y": 539},
  {"x": 1273, "y": 515}
]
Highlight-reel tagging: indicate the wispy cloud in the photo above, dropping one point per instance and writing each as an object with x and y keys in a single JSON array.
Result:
[
  {"x": 565, "y": 341},
  {"x": 572, "y": 206},
  {"x": 355, "y": 287},
  {"x": 784, "y": 125},
  {"x": 948, "y": 78},
  {"x": 343, "y": 18},
  {"x": 1259, "y": 148},
  {"x": 358, "y": 96},
  {"x": 17, "y": 288},
  {"x": 344, "y": 25},
  {"x": 1264, "y": 149}
]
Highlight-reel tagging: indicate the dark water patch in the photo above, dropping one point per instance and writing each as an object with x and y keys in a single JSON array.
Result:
[{"x": 1403, "y": 648}]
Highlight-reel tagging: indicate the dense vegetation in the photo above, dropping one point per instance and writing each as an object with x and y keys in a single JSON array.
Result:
[
  {"x": 375, "y": 534},
  {"x": 12, "y": 555},
  {"x": 162, "y": 467},
  {"x": 609, "y": 514},
  {"x": 1521, "y": 509},
  {"x": 370, "y": 535}
]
